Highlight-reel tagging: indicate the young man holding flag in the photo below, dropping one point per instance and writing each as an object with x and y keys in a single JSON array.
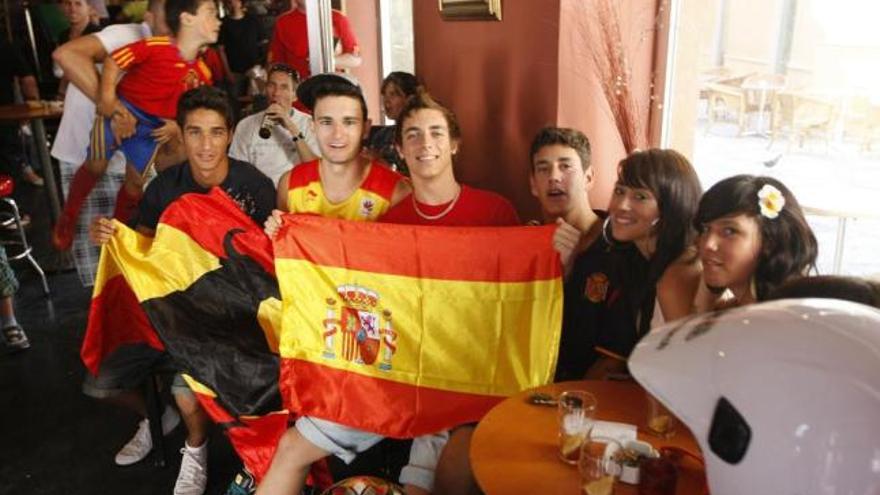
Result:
[
  {"x": 428, "y": 138},
  {"x": 342, "y": 183},
  {"x": 205, "y": 119}
]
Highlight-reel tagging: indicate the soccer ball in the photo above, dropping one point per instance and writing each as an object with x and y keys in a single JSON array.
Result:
[{"x": 364, "y": 485}]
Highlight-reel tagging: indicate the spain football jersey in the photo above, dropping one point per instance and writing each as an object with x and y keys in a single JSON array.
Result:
[
  {"x": 156, "y": 75},
  {"x": 305, "y": 193}
]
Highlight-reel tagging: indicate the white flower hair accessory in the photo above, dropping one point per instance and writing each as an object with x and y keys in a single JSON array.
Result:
[{"x": 771, "y": 201}]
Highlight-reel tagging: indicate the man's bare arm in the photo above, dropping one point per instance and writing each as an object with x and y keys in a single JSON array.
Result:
[
  {"x": 107, "y": 100},
  {"x": 78, "y": 58},
  {"x": 29, "y": 88},
  {"x": 109, "y": 105},
  {"x": 348, "y": 61}
]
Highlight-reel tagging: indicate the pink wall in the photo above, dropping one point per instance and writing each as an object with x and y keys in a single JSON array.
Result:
[
  {"x": 582, "y": 103},
  {"x": 500, "y": 78},
  {"x": 507, "y": 79},
  {"x": 364, "y": 18}
]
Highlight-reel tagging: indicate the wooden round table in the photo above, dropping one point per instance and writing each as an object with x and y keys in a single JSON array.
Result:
[{"x": 514, "y": 448}]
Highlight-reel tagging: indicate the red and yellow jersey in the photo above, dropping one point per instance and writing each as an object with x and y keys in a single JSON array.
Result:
[
  {"x": 290, "y": 41},
  {"x": 156, "y": 75},
  {"x": 305, "y": 193}
]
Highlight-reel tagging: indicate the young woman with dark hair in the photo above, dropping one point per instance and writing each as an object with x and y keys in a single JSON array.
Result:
[
  {"x": 753, "y": 238},
  {"x": 398, "y": 88},
  {"x": 653, "y": 203},
  {"x": 652, "y": 271}
]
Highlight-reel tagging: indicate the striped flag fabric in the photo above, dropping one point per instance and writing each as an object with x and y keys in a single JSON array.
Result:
[
  {"x": 403, "y": 330},
  {"x": 203, "y": 289}
]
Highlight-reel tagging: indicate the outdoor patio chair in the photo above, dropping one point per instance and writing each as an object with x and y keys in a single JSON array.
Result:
[
  {"x": 800, "y": 116},
  {"x": 742, "y": 96}
]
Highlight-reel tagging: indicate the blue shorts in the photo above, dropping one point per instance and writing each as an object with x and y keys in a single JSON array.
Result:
[{"x": 139, "y": 149}]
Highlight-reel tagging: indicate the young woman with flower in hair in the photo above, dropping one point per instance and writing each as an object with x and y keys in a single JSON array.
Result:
[{"x": 753, "y": 238}]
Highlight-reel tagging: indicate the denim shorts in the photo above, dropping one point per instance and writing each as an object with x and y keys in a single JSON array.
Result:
[
  {"x": 127, "y": 368},
  {"x": 340, "y": 440}
]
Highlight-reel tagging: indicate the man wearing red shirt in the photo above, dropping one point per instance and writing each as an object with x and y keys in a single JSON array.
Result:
[
  {"x": 142, "y": 105},
  {"x": 290, "y": 41},
  {"x": 428, "y": 137},
  {"x": 156, "y": 75}
]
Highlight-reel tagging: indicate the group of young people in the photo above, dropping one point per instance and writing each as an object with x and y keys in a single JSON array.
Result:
[{"x": 663, "y": 249}]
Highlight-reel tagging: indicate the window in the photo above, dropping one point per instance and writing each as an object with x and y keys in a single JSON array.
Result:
[{"x": 790, "y": 89}]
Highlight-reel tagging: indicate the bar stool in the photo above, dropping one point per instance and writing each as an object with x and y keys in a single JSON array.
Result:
[{"x": 12, "y": 218}]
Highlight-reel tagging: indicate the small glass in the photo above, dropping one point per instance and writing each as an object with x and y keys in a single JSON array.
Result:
[
  {"x": 660, "y": 421},
  {"x": 599, "y": 466},
  {"x": 575, "y": 412}
]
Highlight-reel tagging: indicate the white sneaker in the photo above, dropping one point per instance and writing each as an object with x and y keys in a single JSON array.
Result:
[
  {"x": 138, "y": 447},
  {"x": 193, "y": 476},
  {"x": 141, "y": 443}
]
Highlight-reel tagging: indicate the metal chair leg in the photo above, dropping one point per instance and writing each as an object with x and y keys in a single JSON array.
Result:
[
  {"x": 26, "y": 251},
  {"x": 40, "y": 272}
]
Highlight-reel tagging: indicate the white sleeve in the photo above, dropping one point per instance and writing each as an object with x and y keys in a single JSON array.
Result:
[
  {"x": 118, "y": 35},
  {"x": 242, "y": 137},
  {"x": 423, "y": 457}
]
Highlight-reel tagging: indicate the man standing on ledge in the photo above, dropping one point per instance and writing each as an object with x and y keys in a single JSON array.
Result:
[{"x": 290, "y": 43}]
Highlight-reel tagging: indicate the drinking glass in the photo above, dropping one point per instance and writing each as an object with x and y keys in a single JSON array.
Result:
[
  {"x": 575, "y": 413},
  {"x": 660, "y": 421},
  {"x": 599, "y": 465}
]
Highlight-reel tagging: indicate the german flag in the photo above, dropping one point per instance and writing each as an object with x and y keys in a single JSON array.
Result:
[
  {"x": 403, "y": 330},
  {"x": 204, "y": 288},
  {"x": 115, "y": 317}
]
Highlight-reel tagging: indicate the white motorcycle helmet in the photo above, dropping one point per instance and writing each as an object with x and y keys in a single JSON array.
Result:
[{"x": 783, "y": 397}]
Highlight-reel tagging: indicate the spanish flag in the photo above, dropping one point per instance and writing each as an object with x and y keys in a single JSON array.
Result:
[
  {"x": 403, "y": 330},
  {"x": 204, "y": 289}
]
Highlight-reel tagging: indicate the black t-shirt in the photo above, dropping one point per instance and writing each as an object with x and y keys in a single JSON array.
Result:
[
  {"x": 240, "y": 39},
  {"x": 249, "y": 187},
  {"x": 12, "y": 64},
  {"x": 598, "y": 310}
]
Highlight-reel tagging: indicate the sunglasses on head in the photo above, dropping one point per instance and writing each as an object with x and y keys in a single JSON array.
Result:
[{"x": 285, "y": 69}]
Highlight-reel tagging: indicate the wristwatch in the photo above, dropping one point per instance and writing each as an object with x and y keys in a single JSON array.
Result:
[{"x": 298, "y": 137}]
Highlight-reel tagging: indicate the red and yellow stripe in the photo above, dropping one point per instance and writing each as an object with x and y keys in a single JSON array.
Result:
[
  {"x": 475, "y": 315},
  {"x": 158, "y": 40},
  {"x": 305, "y": 193},
  {"x": 123, "y": 57},
  {"x": 116, "y": 317}
]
